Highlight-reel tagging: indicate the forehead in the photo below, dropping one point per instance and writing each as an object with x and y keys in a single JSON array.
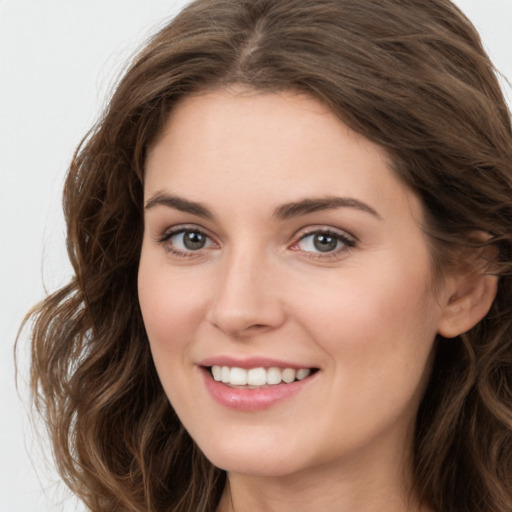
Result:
[{"x": 266, "y": 147}]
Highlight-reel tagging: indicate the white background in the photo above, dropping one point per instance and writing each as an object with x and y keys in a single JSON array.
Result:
[{"x": 58, "y": 59}]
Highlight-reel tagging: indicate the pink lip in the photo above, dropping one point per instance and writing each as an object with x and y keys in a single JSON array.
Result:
[
  {"x": 252, "y": 362},
  {"x": 244, "y": 399}
]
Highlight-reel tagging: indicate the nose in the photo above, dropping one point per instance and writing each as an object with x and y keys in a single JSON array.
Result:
[{"x": 246, "y": 300}]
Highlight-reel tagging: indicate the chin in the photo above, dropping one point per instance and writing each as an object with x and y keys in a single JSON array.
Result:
[
  {"x": 254, "y": 458},
  {"x": 256, "y": 466}
]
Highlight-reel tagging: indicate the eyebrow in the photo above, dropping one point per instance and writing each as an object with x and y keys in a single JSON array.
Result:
[
  {"x": 284, "y": 212},
  {"x": 178, "y": 203},
  {"x": 306, "y": 206}
]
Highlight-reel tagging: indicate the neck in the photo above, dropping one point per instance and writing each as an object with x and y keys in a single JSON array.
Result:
[{"x": 276, "y": 495}]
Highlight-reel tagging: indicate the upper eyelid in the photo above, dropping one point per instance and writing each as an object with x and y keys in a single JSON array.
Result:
[
  {"x": 296, "y": 237},
  {"x": 346, "y": 241},
  {"x": 165, "y": 236},
  {"x": 311, "y": 230},
  {"x": 179, "y": 228}
]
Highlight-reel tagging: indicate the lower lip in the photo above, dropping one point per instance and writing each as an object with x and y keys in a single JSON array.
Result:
[{"x": 245, "y": 399}]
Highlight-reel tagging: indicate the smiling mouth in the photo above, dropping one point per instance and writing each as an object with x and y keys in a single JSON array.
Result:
[{"x": 256, "y": 378}]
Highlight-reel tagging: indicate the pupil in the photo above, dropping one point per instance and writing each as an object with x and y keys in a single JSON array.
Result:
[
  {"x": 193, "y": 240},
  {"x": 325, "y": 243}
]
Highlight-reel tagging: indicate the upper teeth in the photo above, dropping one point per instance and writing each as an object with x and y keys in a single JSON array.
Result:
[{"x": 257, "y": 376}]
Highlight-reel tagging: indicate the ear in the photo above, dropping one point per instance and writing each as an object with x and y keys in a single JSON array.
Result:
[{"x": 467, "y": 299}]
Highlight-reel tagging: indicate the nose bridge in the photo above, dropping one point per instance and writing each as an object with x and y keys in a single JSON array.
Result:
[{"x": 246, "y": 297}]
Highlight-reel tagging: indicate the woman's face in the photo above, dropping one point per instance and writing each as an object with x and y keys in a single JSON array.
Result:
[{"x": 280, "y": 247}]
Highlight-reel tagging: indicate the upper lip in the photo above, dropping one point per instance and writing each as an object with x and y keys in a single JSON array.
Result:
[{"x": 250, "y": 362}]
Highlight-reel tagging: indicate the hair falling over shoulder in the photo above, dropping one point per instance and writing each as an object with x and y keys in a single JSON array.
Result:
[{"x": 410, "y": 76}]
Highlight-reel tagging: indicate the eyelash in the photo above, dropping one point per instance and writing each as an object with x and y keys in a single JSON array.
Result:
[
  {"x": 176, "y": 231},
  {"x": 345, "y": 240}
]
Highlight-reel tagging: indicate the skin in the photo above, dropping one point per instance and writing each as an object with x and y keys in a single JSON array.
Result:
[{"x": 365, "y": 315}]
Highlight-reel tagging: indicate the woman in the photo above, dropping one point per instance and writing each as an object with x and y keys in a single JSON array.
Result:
[{"x": 291, "y": 238}]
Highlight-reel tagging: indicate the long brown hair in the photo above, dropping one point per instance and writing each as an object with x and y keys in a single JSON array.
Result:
[{"x": 410, "y": 76}]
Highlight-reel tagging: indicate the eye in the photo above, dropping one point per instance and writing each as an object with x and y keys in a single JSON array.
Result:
[
  {"x": 324, "y": 242},
  {"x": 183, "y": 241}
]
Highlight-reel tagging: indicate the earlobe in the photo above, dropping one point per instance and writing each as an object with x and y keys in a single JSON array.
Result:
[{"x": 470, "y": 299}]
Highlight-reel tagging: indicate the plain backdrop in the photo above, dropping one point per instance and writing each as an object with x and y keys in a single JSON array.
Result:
[{"x": 58, "y": 61}]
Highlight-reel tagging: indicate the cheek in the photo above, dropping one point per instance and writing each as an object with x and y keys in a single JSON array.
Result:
[
  {"x": 171, "y": 306},
  {"x": 172, "y": 309},
  {"x": 380, "y": 342},
  {"x": 370, "y": 303},
  {"x": 378, "y": 325}
]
